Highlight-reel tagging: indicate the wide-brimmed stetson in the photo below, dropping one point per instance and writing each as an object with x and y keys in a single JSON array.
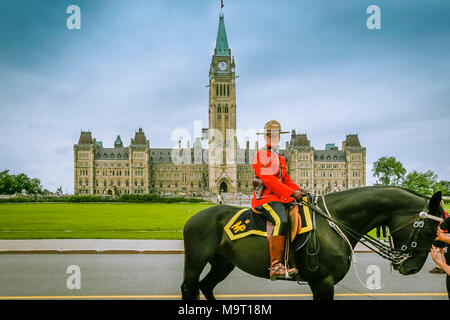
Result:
[{"x": 272, "y": 126}]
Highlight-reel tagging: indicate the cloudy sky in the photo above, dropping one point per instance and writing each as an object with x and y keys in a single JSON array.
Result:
[{"x": 313, "y": 65}]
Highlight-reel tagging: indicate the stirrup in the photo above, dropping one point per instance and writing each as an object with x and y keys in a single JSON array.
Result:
[
  {"x": 293, "y": 271},
  {"x": 279, "y": 271}
]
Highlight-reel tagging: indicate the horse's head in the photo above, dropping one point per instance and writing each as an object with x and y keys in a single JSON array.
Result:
[{"x": 416, "y": 236}]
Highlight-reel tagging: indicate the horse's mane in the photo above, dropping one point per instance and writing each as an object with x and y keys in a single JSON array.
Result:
[
  {"x": 350, "y": 191},
  {"x": 415, "y": 193}
]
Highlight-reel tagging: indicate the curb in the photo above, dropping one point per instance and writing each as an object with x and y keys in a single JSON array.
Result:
[
  {"x": 116, "y": 247},
  {"x": 111, "y": 251},
  {"x": 89, "y": 251}
]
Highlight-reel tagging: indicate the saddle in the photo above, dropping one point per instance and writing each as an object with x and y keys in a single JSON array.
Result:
[{"x": 246, "y": 222}]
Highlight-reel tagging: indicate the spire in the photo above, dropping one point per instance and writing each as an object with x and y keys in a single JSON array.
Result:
[
  {"x": 85, "y": 137},
  {"x": 222, "y": 49},
  {"x": 118, "y": 143},
  {"x": 139, "y": 138}
]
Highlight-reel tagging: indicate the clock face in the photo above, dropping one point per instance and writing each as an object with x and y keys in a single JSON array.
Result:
[{"x": 222, "y": 66}]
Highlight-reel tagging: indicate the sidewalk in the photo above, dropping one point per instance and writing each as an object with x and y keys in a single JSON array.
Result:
[{"x": 103, "y": 246}]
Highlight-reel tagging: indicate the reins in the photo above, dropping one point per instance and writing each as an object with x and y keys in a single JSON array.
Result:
[{"x": 386, "y": 252}]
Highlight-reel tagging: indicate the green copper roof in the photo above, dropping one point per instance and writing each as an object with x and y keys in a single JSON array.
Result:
[
  {"x": 118, "y": 141},
  {"x": 329, "y": 146},
  {"x": 222, "y": 42}
]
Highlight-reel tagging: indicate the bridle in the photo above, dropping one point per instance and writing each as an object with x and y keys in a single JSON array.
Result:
[
  {"x": 388, "y": 252},
  {"x": 418, "y": 223}
]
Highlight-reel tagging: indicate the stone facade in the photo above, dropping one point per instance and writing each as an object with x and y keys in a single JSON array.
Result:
[
  {"x": 112, "y": 171},
  {"x": 325, "y": 171},
  {"x": 223, "y": 167}
]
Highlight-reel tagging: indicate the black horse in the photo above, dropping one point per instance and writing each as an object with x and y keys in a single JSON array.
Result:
[{"x": 360, "y": 209}]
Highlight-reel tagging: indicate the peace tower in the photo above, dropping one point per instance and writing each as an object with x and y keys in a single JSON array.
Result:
[{"x": 222, "y": 116}]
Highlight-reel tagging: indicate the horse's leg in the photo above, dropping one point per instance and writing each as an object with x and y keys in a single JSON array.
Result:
[
  {"x": 193, "y": 267},
  {"x": 194, "y": 263},
  {"x": 220, "y": 269},
  {"x": 323, "y": 290}
]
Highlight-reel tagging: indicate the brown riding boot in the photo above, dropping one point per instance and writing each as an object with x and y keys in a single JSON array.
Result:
[{"x": 276, "y": 250}]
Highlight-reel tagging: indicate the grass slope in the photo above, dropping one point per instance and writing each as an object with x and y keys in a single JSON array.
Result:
[{"x": 95, "y": 220}]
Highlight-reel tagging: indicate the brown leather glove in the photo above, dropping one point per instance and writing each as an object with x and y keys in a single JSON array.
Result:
[{"x": 298, "y": 194}]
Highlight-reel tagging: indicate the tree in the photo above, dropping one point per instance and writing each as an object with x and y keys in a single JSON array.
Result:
[
  {"x": 443, "y": 186},
  {"x": 6, "y": 183},
  {"x": 423, "y": 183},
  {"x": 10, "y": 183},
  {"x": 388, "y": 171}
]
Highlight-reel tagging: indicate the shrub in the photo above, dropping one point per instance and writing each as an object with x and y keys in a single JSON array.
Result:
[{"x": 148, "y": 198}]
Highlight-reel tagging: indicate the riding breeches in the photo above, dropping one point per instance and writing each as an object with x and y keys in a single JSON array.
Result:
[{"x": 276, "y": 213}]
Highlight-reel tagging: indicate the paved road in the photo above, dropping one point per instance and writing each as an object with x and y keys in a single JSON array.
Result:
[{"x": 159, "y": 277}]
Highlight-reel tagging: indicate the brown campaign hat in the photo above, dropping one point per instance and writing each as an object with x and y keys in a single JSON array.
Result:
[{"x": 272, "y": 125}]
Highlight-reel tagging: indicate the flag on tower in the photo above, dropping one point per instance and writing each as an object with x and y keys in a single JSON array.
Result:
[{"x": 221, "y": 4}]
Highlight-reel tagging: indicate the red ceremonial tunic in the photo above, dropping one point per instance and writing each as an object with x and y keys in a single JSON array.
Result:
[{"x": 267, "y": 165}]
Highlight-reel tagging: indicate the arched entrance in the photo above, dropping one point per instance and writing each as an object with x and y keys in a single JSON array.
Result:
[
  {"x": 109, "y": 193},
  {"x": 223, "y": 188}
]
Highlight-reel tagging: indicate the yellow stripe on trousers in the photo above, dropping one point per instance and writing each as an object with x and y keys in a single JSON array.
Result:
[{"x": 275, "y": 217}]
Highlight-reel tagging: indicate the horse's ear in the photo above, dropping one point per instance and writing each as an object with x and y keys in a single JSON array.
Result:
[{"x": 435, "y": 202}]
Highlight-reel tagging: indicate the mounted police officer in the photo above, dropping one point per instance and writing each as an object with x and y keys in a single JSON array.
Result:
[{"x": 278, "y": 194}]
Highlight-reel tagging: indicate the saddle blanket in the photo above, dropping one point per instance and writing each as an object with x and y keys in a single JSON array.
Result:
[{"x": 246, "y": 222}]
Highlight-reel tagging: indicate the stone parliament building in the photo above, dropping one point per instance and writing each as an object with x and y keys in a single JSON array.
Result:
[{"x": 223, "y": 167}]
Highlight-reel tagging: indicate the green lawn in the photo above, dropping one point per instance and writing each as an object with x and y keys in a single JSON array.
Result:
[{"x": 95, "y": 220}]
